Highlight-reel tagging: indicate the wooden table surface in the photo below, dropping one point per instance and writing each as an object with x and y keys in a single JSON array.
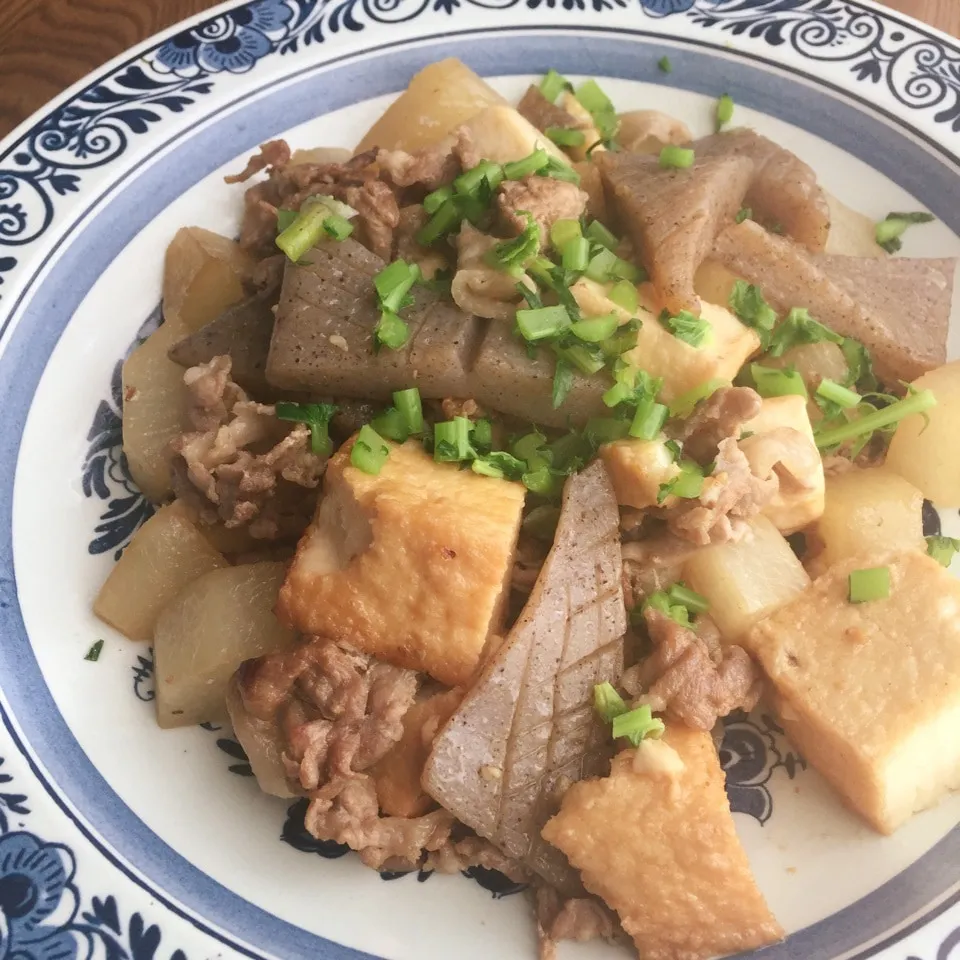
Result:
[{"x": 45, "y": 45}]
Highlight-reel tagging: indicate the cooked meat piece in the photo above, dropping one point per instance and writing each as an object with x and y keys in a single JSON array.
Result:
[
  {"x": 691, "y": 683},
  {"x": 652, "y": 564},
  {"x": 436, "y": 608},
  {"x": 649, "y": 131},
  {"x": 267, "y": 276},
  {"x": 536, "y": 108},
  {"x": 674, "y": 216},
  {"x": 731, "y": 495},
  {"x": 323, "y": 339},
  {"x": 242, "y": 333},
  {"x": 273, "y": 153},
  {"x": 215, "y": 473},
  {"x": 479, "y": 288},
  {"x": 378, "y": 215},
  {"x": 455, "y": 856},
  {"x": 579, "y": 918},
  {"x": 783, "y": 190},
  {"x": 544, "y": 198},
  {"x": 430, "y": 168},
  {"x": 876, "y": 301},
  {"x": 527, "y": 725},
  {"x": 720, "y": 416}
]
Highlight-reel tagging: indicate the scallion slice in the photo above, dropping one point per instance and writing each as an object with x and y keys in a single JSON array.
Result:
[
  {"x": 411, "y": 408},
  {"x": 485, "y": 172},
  {"x": 542, "y": 323},
  {"x": 869, "y": 584},
  {"x": 687, "y": 327},
  {"x": 558, "y": 170},
  {"x": 451, "y": 440},
  {"x": 563, "y": 231},
  {"x": 637, "y": 725},
  {"x": 600, "y": 430},
  {"x": 598, "y": 233},
  {"x": 393, "y": 283},
  {"x": 693, "y": 601},
  {"x": 565, "y": 136},
  {"x": 685, "y": 404},
  {"x": 542, "y": 481},
  {"x": 624, "y": 294},
  {"x": 889, "y": 231},
  {"x": 665, "y": 65},
  {"x": 843, "y": 397},
  {"x": 943, "y": 549},
  {"x": 575, "y": 255},
  {"x": 600, "y": 107},
  {"x": 562, "y": 383},
  {"x": 316, "y": 416},
  {"x": 586, "y": 359},
  {"x": 307, "y": 229},
  {"x": 432, "y": 202},
  {"x": 533, "y": 163},
  {"x": 446, "y": 217},
  {"x": 677, "y": 158},
  {"x": 553, "y": 84},
  {"x": 595, "y": 329},
  {"x": 529, "y": 446},
  {"x": 285, "y": 218},
  {"x": 724, "y": 111},
  {"x": 774, "y": 382},
  {"x": 607, "y": 702},
  {"x": 369, "y": 452},
  {"x": 688, "y": 484},
  {"x": 649, "y": 419},
  {"x": 391, "y": 331},
  {"x": 390, "y": 424}
]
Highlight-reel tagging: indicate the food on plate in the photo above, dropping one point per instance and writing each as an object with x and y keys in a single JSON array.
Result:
[{"x": 499, "y": 460}]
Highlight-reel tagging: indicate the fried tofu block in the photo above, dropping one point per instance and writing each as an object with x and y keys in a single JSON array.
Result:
[
  {"x": 637, "y": 468},
  {"x": 782, "y": 444},
  {"x": 656, "y": 841},
  {"x": 870, "y": 692},
  {"x": 397, "y": 775},
  {"x": 411, "y": 565}
]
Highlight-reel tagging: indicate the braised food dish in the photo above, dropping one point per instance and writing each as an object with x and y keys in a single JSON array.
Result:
[{"x": 497, "y": 461}]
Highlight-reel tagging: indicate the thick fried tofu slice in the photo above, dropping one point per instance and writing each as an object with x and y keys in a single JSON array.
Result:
[
  {"x": 411, "y": 565},
  {"x": 780, "y": 443},
  {"x": 397, "y": 775},
  {"x": 870, "y": 692},
  {"x": 656, "y": 841},
  {"x": 637, "y": 469}
]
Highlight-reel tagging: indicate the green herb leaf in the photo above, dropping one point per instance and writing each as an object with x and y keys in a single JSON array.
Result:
[
  {"x": 317, "y": 416},
  {"x": 685, "y": 404},
  {"x": 600, "y": 107},
  {"x": 744, "y": 213},
  {"x": 665, "y": 65},
  {"x": 533, "y": 163},
  {"x": 687, "y": 485},
  {"x": 677, "y": 158},
  {"x": 942, "y": 549},
  {"x": 870, "y": 584},
  {"x": 747, "y": 302},
  {"x": 687, "y": 327},
  {"x": 774, "y": 382},
  {"x": 867, "y": 424},
  {"x": 599, "y": 234},
  {"x": 800, "y": 328},
  {"x": 724, "y": 111},
  {"x": 518, "y": 251},
  {"x": 390, "y": 331},
  {"x": 889, "y": 231},
  {"x": 565, "y": 136},
  {"x": 451, "y": 441},
  {"x": 562, "y": 382},
  {"x": 637, "y": 725},
  {"x": 859, "y": 366},
  {"x": 93, "y": 654},
  {"x": 607, "y": 702},
  {"x": 553, "y": 84}
]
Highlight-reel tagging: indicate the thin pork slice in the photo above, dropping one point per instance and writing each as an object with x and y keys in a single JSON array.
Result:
[
  {"x": 542, "y": 113},
  {"x": 527, "y": 728},
  {"x": 673, "y": 216},
  {"x": 783, "y": 190},
  {"x": 899, "y": 308}
]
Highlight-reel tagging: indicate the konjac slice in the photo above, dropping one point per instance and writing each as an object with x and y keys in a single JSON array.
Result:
[{"x": 528, "y": 723}]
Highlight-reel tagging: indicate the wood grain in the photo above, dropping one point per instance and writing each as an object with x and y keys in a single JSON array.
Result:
[{"x": 46, "y": 45}]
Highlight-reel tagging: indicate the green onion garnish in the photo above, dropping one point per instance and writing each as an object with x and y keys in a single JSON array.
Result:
[
  {"x": 942, "y": 549},
  {"x": 598, "y": 233},
  {"x": 410, "y": 407},
  {"x": 393, "y": 283},
  {"x": 563, "y": 231},
  {"x": 575, "y": 255},
  {"x": 337, "y": 227},
  {"x": 744, "y": 213},
  {"x": 307, "y": 229},
  {"x": 834, "y": 392},
  {"x": 390, "y": 424},
  {"x": 605, "y": 265},
  {"x": 485, "y": 174},
  {"x": 871, "y": 584},
  {"x": 553, "y": 84},
  {"x": 600, "y": 107},
  {"x": 918, "y": 402},
  {"x": 565, "y": 136},
  {"x": 481, "y": 434},
  {"x": 542, "y": 323},
  {"x": 607, "y": 702},
  {"x": 587, "y": 359},
  {"x": 595, "y": 329},
  {"x": 693, "y": 601},
  {"x": 285, "y": 218},
  {"x": 451, "y": 440},
  {"x": 558, "y": 170},
  {"x": 534, "y": 163},
  {"x": 637, "y": 725},
  {"x": 687, "y": 327},
  {"x": 800, "y": 328},
  {"x": 747, "y": 302},
  {"x": 518, "y": 251},
  {"x": 649, "y": 419},
  {"x": 432, "y": 202},
  {"x": 724, "y": 111},
  {"x": 677, "y": 158},
  {"x": 529, "y": 446},
  {"x": 859, "y": 365},
  {"x": 665, "y": 65},
  {"x": 543, "y": 481},
  {"x": 617, "y": 394},
  {"x": 447, "y": 216},
  {"x": 685, "y": 404},
  {"x": 390, "y": 332},
  {"x": 316, "y": 416},
  {"x": 624, "y": 294},
  {"x": 675, "y": 611},
  {"x": 562, "y": 383},
  {"x": 889, "y": 231},
  {"x": 688, "y": 484},
  {"x": 93, "y": 654},
  {"x": 601, "y": 430},
  {"x": 773, "y": 382},
  {"x": 369, "y": 452}
]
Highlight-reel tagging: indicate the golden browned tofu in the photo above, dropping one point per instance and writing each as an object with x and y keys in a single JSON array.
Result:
[
  {"x": 637, "y": 468},
  {"x": 870, "y": 692},
  {"x": 398, "y": 774},
  {"x": 656, "y": 841},
  {"x": 410, "y": 565}
]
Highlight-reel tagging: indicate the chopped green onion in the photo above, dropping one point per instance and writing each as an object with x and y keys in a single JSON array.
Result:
[
  {"x": 870, "y": 584},
  {"x": 773, "y": 382},
  {"x": 553, "y": 84},
  {"x": 337, "y": 227},
  {"x": 665, "y": 65},
  {"x": 605, "y": 265},
  {"x": 800, "y": 328},
  {"x": 581, "y": 356},
  {"x": 533, "y": 163},
  {"x": 687, "y": 327},
  {"x": 316, "y": 416},
  {"x": 394, "y": 282},
  {"x": 518, "y": 251},
  {"x": 307, "y": 228},
  {"x": 410, "y": 407},
  {"x": 543, "y": 481},
  {"x": 889, "y": 231},
  {"x": 487, "y": 468},
  {"x": 485, "y": 173},
  {"x": 595, "y": 329},
  {"x": 600, "y": 430},
  {"x": 447, "y": 216},
  {"x": 570, "y": 452},
  {"x": 859, "y": 365},
  {"x": 93, "y": 654},
  {"x": 918, "y": 402},
  {"x": 598, "y": 233},
  {"x": 744, "y": 213},
  {"x": 724, "y": 111},
  {"x": 575, "y": 255},
  {"x": 677, "y": 158},
  {"x": 565, "y": 136},
  {"x": 391, "y": 331},
  {"x": 541, "y": 522},
  {"x": 451, "y": 440},
  {"x": 558, "y": 170},
  {"x": 624, "y": 340},
  {"x": 693, "y": 601},
  {"x": 675, "y": 611},
  {"x": 563, "y": 231},
  {"x": 529, "y": 446},
  {"x": 747, "y": 302},
  {"x": 562, "y": 383},
  {"x": 637, "y": 725},
  {"x": 390, "y": 424},
  {"x": 688, "y": 484},
  {"x": 685, "y": 404},
  {"x": 607, "y": 702},
  {"x": 432, "y": 202},
  {"x": 481, "y": 434},
  {"x": 285, "y": 218},
  {"x": 842, "y": 396},
  {"x": 624, "y": 294},
  {"x": 617, "y": 394},
  {"x": 369, "y": 452},
  {"x": 942, "y": 549},
  {"x": 542, "y": 323},
  {"x": 649, "y": 419},
  {"x": 600, "y": 107}
]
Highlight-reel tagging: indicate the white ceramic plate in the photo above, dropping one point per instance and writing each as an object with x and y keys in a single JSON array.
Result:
[{"x": 120, "y": 841}]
